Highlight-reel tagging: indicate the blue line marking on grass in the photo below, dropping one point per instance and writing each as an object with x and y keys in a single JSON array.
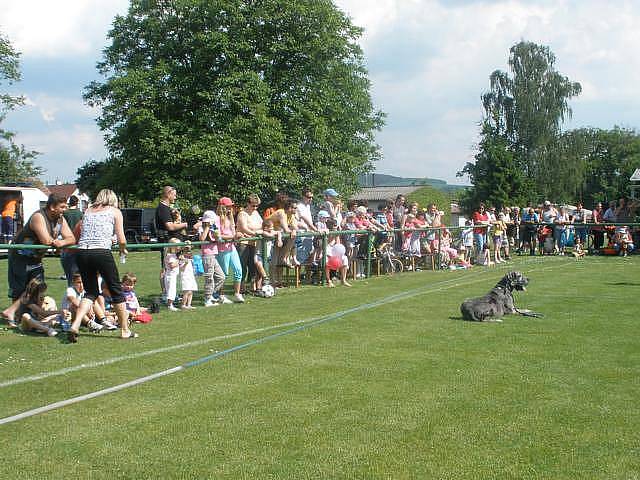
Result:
[{"x": 392, "y": 298}]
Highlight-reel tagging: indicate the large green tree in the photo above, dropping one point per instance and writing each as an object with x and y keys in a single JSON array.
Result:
[
  {"x": 16, "y": 163},
  {"x": 234, "y": 96},
  {"x": 602, "y": 161},
  {"x": 523, "y": 112}
]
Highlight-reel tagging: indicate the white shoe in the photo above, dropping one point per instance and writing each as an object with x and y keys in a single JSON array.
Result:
[
  {"x": 238, "y": 298},
  {"x": 108, "y": 325},
  {"x": 224, "y": 300},
  {"x": 172, "y": 308},
  {"x": 210, "y": 303},
  {"x": 94, "y": 326},
  {"x": 52, "y": 333}
]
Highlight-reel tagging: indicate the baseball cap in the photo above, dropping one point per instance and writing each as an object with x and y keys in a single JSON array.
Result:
[
  {"x": 323, "y": 214},
  {"x": 547, "y": 203},
  {"x": 330, "y": 192},
  {"x": 225, "y": 202},
  {"x": 350, "y": 214},
  {"x": 361, "y": 209},
  {"x": 209, "y": 216}
]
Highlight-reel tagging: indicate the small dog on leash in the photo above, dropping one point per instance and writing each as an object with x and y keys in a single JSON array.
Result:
[{"x": 498, "y": 302}]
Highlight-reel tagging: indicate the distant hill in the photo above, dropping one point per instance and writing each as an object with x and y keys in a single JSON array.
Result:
[{"x": 382, "y": 180}]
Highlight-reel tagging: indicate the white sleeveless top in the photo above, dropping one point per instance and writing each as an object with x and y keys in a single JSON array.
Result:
[{"x": 97, "y": 230}]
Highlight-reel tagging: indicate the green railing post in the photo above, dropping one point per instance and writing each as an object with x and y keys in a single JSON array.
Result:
[
  {"x": 369, "y": 247},
  {"x": 323, "y": 260}
]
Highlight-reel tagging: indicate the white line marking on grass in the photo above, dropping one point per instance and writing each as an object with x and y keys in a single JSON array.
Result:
[
  {"x": 444, "y": 285},
  {"x": 195, "y": 343}
]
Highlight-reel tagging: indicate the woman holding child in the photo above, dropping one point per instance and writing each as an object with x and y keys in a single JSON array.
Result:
[{"x": 101, "y": 221}]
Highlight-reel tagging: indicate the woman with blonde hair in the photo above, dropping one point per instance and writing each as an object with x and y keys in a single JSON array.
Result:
[
  {"x": 227, "y": 253},
  {"x": 101, "y": 221}
]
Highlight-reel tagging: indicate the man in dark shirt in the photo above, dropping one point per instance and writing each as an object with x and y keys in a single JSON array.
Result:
[
  {"x": 46, "y": 226},
  {"x": 73, "y": 216}
]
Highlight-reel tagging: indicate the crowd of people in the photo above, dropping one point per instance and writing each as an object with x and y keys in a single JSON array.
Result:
[{"x": 255, "y": 246}]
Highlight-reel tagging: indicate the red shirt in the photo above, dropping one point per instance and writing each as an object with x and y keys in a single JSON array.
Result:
[{"x": 480, "y": 217}]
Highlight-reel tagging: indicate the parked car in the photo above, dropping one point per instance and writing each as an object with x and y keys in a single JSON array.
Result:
[{"x": 139, "y": 225}]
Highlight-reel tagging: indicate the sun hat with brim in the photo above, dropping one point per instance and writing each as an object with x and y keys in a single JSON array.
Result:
[
  {"x": 323, "y": 214},
  {"x": 330, "y": 192},
  {"x": 209, "y": 216},
  {"x": 225, "y": 202}
]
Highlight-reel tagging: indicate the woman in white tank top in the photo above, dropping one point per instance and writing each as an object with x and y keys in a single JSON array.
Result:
[{"x": 100, "y": 223}]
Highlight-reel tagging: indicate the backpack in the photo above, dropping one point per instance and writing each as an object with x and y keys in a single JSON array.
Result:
[{"x": 198, "y": 266}]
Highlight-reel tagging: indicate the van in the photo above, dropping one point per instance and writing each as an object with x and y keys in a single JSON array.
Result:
[{"x": 29, "y": 201}]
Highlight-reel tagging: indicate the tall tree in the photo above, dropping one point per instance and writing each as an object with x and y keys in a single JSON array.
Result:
[
  {"x": 495, "y": 176},
  {"x": 230, "y": 96},
  {"x": 16, "y": 163},
  {"x": 526, "y": 108}
]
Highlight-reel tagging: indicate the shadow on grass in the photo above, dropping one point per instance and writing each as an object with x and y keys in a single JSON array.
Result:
[{"x": 623, "y": 284}]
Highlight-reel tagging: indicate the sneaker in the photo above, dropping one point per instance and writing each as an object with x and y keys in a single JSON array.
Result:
[
  {"x": 108, "y": 325},
  {"x": 238, "y": 298},
  {"x": 172, "y": 308},
  {"x": 94, "y": 326},
  {"x": 224, "y": 300},
  {"x": 210, "y": 303},
  {"x": 52, "y": 332}
]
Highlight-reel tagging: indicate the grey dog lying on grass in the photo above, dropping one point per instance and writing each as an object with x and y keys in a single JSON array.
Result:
[{"x": 498, "y": 302}]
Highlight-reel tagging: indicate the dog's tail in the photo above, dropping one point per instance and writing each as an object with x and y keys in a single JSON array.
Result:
[{"x": 529, "y": 313}]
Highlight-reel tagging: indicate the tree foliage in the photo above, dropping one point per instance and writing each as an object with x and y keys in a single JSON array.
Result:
[
  {"x": 234, "y": 96},
  {"x": 495, "y": 176},
  {"x": 603, "y": 161},
  {"x": 524, "y": 112},
  {"x": 16, "y": 163}
]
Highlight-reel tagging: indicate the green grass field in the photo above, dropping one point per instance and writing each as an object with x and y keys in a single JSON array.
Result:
[{"x": 388, "y": 383}]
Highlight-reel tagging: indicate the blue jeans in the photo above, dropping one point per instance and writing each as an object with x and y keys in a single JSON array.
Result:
[
  {"x": 479, "y": 239},
  {"x": 304, "y": 245},
  {"x": 231, "y": 257}
]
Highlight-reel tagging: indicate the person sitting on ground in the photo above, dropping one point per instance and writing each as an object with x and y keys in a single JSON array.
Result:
[
  {"x": 34, "y": 314},
  {"x": 95, "y": 319},
  {"x": 623, "y": 241},
  {"x": 137, "y": 313}
]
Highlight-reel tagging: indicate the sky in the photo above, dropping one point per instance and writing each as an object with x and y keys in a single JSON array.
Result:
[{"x": 429, "y": 62}]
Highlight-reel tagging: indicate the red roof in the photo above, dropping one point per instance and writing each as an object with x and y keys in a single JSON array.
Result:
[{"x": 66, "y": 189}]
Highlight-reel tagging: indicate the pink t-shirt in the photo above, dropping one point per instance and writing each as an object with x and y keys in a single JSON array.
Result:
[
  {"x": 211, "y": 248},
  {"x": 226, "y": 229},
  {"x": 362, "y": 223}
]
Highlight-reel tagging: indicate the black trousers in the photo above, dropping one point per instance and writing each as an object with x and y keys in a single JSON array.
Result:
[{"x": 92, "y": 263}]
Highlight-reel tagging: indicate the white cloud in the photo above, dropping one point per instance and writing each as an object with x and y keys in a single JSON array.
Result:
[
  {"x": 63, "y": 150},
  {"x": 45, "y": 28},
  {"x": 429, "y": 63}
]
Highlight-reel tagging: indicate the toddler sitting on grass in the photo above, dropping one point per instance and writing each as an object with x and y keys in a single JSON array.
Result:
[{"x": 37, "y": 312}]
